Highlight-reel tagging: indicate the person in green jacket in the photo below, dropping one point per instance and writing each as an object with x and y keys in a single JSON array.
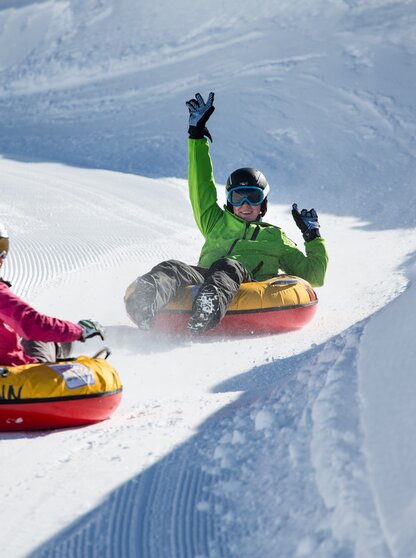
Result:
[{"x": 239, "y": 246}]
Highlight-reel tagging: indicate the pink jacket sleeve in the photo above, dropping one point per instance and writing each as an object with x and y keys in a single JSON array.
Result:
[{"x": 30, "y": 324}]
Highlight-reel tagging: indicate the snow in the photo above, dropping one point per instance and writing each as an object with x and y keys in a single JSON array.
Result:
[
  {"x": 300, "y": 444},
  {"x": 388, "y": 388}
]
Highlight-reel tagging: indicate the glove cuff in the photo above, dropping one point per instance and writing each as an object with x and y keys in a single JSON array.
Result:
[
  {"x": 311, "y": 234},
  {"x": 196, "y": 132}
]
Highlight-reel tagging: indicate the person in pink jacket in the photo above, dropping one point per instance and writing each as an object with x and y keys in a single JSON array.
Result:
[{"x": 26, "y": 335}]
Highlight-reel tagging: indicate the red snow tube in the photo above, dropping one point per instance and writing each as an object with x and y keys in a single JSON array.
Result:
[
  {"x": 57, "y": 395},
  {"x": 281, "y": 304}
]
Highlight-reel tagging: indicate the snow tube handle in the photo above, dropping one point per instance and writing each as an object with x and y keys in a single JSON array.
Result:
[
  {"x": 106, "y": 351},
  {"x": 283, "y": 282}
]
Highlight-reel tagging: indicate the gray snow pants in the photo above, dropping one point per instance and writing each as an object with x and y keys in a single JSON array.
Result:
[
  {"x": 172, "y": 275},
  {"x": 46, "y": 351}
]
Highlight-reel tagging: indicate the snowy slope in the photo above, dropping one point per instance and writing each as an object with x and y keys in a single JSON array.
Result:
[
  {"x": 293, "y": 445},
  {"x": 321, "y": 94},
  {"x": 258, "y": 433}
]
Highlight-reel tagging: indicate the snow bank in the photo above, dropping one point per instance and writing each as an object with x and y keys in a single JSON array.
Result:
[{"x": 388, "y": 387}]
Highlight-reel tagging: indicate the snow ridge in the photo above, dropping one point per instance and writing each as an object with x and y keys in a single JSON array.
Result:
[
  {"x": 342, "y": 474},
  {"x": 387, "y": 383}
]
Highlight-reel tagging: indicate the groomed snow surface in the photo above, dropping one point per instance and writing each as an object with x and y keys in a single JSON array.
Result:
[{"x": 294, "y": 445}]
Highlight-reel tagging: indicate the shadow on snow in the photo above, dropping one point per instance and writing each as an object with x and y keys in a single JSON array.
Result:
[{"x": 239, "y": 487}]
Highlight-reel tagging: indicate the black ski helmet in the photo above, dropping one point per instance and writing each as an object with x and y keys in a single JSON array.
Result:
[{"x": 248, "y": 176}]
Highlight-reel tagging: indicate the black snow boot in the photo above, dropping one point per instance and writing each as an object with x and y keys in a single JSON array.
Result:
[{"x": 206, "y": 311}]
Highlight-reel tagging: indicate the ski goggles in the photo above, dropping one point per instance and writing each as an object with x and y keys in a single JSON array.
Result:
[
  {"x": 253, "y": 195},
  {"x": 4, "y": 247}
]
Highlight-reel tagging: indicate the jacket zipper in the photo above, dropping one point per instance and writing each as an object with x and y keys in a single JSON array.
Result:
[
  {"x": 255, "y": 233},
  {"x": 237, "y": 239}
]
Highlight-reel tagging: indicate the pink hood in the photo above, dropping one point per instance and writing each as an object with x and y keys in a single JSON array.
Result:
[{"x": 18, "y": 319}]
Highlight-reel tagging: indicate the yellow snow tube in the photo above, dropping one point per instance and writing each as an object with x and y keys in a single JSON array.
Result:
[{"x": 56, "y": 394}]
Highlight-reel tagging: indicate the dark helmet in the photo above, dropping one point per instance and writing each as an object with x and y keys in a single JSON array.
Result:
[
  {"x": 4, "y": 241},
  {"x": 248, "y": 176}
]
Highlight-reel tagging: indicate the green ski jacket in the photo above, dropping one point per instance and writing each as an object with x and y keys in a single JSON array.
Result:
[{"x": 262, "y": 248}]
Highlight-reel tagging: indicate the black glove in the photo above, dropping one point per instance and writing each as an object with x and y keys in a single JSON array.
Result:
[
  {"x": 307, "y": 221},
  {"x": 199, "y": 112},
  {"x": 90, "y": 329}
]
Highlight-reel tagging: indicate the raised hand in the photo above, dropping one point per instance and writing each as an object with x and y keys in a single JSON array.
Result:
[
  {"x": 199, "y": 113},
  {"x": 307, "y": 221}
]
